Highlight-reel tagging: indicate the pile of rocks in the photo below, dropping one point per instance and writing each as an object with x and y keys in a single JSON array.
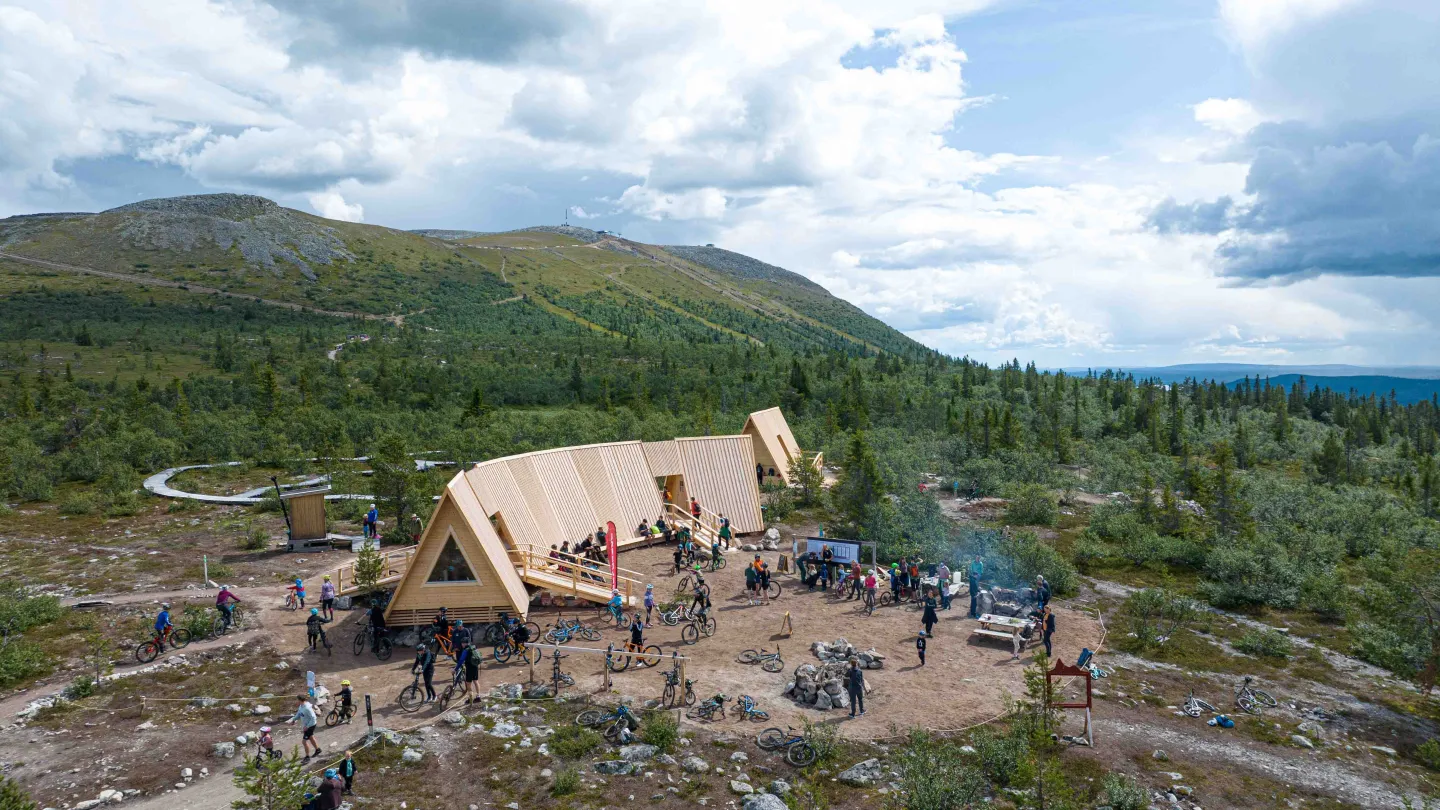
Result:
[
  {"x": 822, "y": 686},
  {"x": 771, "y": 542}
]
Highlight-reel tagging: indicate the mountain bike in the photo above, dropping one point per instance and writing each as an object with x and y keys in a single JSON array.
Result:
[
  {"x": 177, "y": 638},
  {"x": 772, "y": 591},
  {"x": 717, "y": 561},
  {"x": 708, "y": 709},
  {"x": 672, "y": 696},
  {"x": 366, "y": 637},
  {"x": 338, "y": 715},
  {"x": 1251, "y": 700},
  {"x": 292, "y": 602},
  {"x": 507, "y": 649},
  {"x": 690, "y": 585},
  {"x": 558, "y": 678},
  {"x": 1195, "y": 706},
  {"x": 676, "y": 613},
  {"x": 697, "y": 627},
  {"x": 798, "y": 751},
  {"x": 563, "y": 631},
  {"x": 412, "y": 696},
  {"x": 494, "y": 632},
  {"x": 222, "y": 623},
  {"x": 768, "y": 661},
  {"x": 748, "y": 709},
  {"x": 453, "y": 688},
  {"x": 616, "y": 722},
  {"x": 621, "y": 659}
]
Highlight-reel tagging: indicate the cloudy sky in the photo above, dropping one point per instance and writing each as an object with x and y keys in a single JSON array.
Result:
[{"x": 1071, "y": 181}]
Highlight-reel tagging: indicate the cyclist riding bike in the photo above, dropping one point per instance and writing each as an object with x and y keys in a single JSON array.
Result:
[
  {"x": 377, "y": 624},
  {"x": 519, "y": 637},
  {"x": 314, "y": 628},
  {"x": 699, "y": 592},
  {"x": 614, "y": 605},
  {"x": 162, "y": 625},
  {"x": 299, "y": 590},
  {"x": 347, "y": 698},
  {"x": 225, "y": 602}
]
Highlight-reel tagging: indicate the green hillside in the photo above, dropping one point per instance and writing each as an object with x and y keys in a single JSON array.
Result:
[{"x": 250, "y": 246}]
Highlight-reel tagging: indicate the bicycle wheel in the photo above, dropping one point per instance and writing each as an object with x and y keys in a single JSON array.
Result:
[
  {"x": 219, "y": 627},
  {"x": 667, "y": 698},
  {"x": 770, "y": 739},
  {"x": 650, "y": 649},
  {"x": 613, "y": 732},
  {"x": 1103, "y": 672},
  {"x": 589, "y": 718},
  {"x": 503, "y": 653},
  {"x": 358, "y": 646},
  {"x": 493, "y": 634},
  {"x": 1264, "y": 699},
  {"x": 699, "y": 712},
  {"x": 759, "y": 716},
  {"x": 552, "y": 637},
  {"x": 748, "y": 657},
  {"x": 689, "y": 697},
  {"x": 773, "y": 592},
  {"x": 708, "y": 627},
  {"x": 886, "y": 599},
  {"x": 619, "y": 662},
  {"x": 411, "y": 697},
  {"x": 690, "y": 634},
  {"x": 670, "y": 619},
  {"x": 333, "y": 718},
  {"x": 445, "y": 695},
  {"x": 589, "y": 634},
  {"x": 534, "y": 630},
  {"x": 383, "y": 649},
  {"x": 705, "y": 589},
  {"x": 179, "y": 638},
  {"x": 800, "y": 754},
  {"x": 146, "y": 652},
  {"x": 1205, "y": 707},
  {"x": 1247, "y": 704},
  {"x": 772, "y": 665}
]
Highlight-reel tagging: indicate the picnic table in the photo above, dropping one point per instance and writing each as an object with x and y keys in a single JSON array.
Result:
[{"x": 1001, "y": 627}]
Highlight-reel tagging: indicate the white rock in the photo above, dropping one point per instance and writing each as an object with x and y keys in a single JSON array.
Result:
[
  {"x": 411, "y": 755},
  {"x": 694, "y": 765},
  {"x": 145, "y": 726},
  {"x": 741, "y": 788},
  {"x": 260, "y": 710},
  {"x": 505, "y": 729},
  {"x": 739, "y": 756},
  {"x": 862, "y": 773}
]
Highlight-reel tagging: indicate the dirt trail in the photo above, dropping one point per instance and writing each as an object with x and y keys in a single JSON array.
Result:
[{"x": 398, "y": 320}]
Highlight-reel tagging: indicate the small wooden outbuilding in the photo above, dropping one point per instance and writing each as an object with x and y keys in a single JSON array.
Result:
[{"x": 305, "y": 513}]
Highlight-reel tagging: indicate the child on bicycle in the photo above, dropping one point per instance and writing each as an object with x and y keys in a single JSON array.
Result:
[
  {"x": 614, "y": 605},
  {"x": 649, "y": 603},
  {"x": 521, "y": 634},
  {"x": 266, "y": 743},
  {"x": 225, "y": 602},
  {"x": 299, "y": 590},
  {"x": 313, "y": 627},
  {"x": 162, "y": 625},
  {"x": 346, "y": 698}
]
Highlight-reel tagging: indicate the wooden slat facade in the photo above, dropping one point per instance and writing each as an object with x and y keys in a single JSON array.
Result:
[
  {"x": 720, "y": 472},
  {"x": 775, "y": 445},
  {"x": 663, "y": 458},
  {"x": 307, "y": 515}
]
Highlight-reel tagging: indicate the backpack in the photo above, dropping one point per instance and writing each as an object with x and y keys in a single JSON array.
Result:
[{"x": 1085, "y": 656}]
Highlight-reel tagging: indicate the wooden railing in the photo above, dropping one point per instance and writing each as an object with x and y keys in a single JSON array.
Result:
[
  {"x": 699, "y": 529},
  {"x": 396, "y": 560},
  {"x": 578, "y": 570}
]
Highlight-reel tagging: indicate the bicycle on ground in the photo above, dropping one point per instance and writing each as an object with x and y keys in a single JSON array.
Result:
[
  {"x": 768, "y": 661},
  {"x": 562, "y": 632},
  {"x": 708, "y": 709},
  {"x": 748, "y": 709},
  {"x": 798, "y": 750},
  {"x": 1195, "y": 706},
  {"x": 615, "y": 722},
  {"x": 366, "y": 638},
  {"x": 176, "y": 638},
  {"x": 1252, "y": 700},
  {"x": 673, "y": 696}
]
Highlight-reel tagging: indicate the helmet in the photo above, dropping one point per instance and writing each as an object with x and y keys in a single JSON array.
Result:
[
  {"x": 345, "y": 682},
  {"x": 649, "y": 587},
  {"x": 165, "y": 605},
  {"x": 299, "y": 581},
  {"x": 459, "y": 622},
  {"x": 330, "y": 773},
  {"x": 614, "y": 591},
  {"x": 314, "y": 611},
  {"x": 327, "y": 577},
  {"x": 264, "y": 729},
  {"x": 894, "y": 565},
  {"x": 697, "y": 566}
]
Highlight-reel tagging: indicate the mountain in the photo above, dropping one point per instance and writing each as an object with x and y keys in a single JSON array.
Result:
[
  {"x": 1406, "y": 390},
  {"x": 1235, "y": 371},
  {"x": 250, "y": 246}
]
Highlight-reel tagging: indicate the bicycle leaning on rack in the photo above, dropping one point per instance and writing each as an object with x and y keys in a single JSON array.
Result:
[{"x": 672, "y": 696}]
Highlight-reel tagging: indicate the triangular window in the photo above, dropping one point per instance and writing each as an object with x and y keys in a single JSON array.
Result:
[{"x": 451, "y": 566}]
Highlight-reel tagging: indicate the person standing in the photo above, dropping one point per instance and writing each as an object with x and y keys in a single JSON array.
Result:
[
  {"x": 1042, "y": 591},
  {"x": 725, "y": 532},
  {"x": 377, "y": 624},
  {"x": 942, "y": 575},
  {"x": 650, "y": 602},
  {"x": 425, "y": 665},
  {"x": 372, "y": 518},
  {"x": 929, "y": 618},
  {"x": 855, "y": 687},
  {"x": 759, "y": 475},
  {"x": 764, "y": 583},
  {"x": 347, "y": 770},
  {"x": 695, "y": 509},
  {"x": 327, "y": 598},
  {"x": 331, "y": 791},
  {"x": 305, "y": 713},
  {"x": 920, "y": 646},
  {"x": 750, "y": 577},
  {"x": 472, "y": 674},
  {"x": 1047, "y": 619},
  {"x": 977, "y": 570},
  {"x": 827, "y": 558}
]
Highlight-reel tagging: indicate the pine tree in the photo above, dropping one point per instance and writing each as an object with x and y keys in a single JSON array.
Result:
[
  {"x": 1330, "y": 460},
  {"x": 369, "y": 566},
  {"x": 861, "y": 484},
  {"x": 14, "y": 797},
  {"x": 271, "y": 784},
  {"x": 1230, "y": 512}
]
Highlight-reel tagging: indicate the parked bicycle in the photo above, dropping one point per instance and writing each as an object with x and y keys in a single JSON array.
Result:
[
  {"x": 147, "y": 651},
  {"x": 1195, "y": 706},
  {"x": 562, "y": 632},
  {"x": 366, "y": 638},
  {"x": 698, "y": 626},
  {"x": 798, "y": 750},
  {"x": 558, "y": 678},
  {"x": 673, "y": 696},
  {"x": 748, "y": 709},
  {"x": 616, "y": 722},
  {"x": 768, "y": 661},
  {"x": 708, "y": 709},
  {"x": 1251, "y": 700},
  {"x": 506, "y": 650}
]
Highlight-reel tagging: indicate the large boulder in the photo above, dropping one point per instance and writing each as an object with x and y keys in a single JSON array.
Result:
[
  {"x": 411, "y": 755},
  {"x": 223, "y": 750},
  {"x": 862, "y": 774},
  {"x": 772, "y": 534},
  {"x": 694, "y": 765},
  {"x": 741, "y": 788},
  {"x": 638, "y": 752},
  {"x": 616, "y": 767},
  {"x": 505, "y": 729},
  {"x": 763, "y": 801},
  {"x": 453, "y": 718}
]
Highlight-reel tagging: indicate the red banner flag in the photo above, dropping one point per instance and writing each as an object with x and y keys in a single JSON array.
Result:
[{"x": 612, "y": 548}]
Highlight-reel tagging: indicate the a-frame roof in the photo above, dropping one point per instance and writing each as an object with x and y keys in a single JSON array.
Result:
[{"x": 777, "y": 442}]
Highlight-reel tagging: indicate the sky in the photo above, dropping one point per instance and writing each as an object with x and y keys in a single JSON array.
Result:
[{"x": 1099, "y": 183}]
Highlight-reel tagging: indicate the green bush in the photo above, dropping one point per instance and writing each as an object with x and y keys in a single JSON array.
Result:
[
  {"x": 1121, "y": 792},
  {"x": 1264, "y": 643},
  {"x": 1428, "y": 754},
  {"x": 567, "y": 781},
  {"x": 123, "y": 504},
  {"x": 14, "y": 797},
  {"x": 574, "y": 742},
  {"x": 1004, "y": 755},
  {"x": 197, "y": 620},
  {"x": 77, "y": 504},
  {"x": 934, "y": 775},
  {"x": 254, "y": 539},
  {"x": 661, "y": 731},
  {"x": 82, "y": 687},
  {"x": 1251, "y": 575},
  {"x": 1153, "y": 615},
  {"x": 178, "y": 506},
  {"x": 1020, "y": 558},
  {"x": 1032, "y": 505},
  {"x": 21, "y": 661},
  {"x": 824, "y": 738}
]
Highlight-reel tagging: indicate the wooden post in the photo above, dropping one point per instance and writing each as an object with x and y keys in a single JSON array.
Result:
[
  {"x": 785, "y": 627},
  {"x": 531, "y": 658}
]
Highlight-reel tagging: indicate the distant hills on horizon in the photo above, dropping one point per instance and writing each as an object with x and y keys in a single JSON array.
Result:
[{"x": 1410, "y": 383}]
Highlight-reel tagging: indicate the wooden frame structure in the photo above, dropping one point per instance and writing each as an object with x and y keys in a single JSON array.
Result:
[
  {"x": 775, "y": 445},
  {"x": 1063, "y": 670}
]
